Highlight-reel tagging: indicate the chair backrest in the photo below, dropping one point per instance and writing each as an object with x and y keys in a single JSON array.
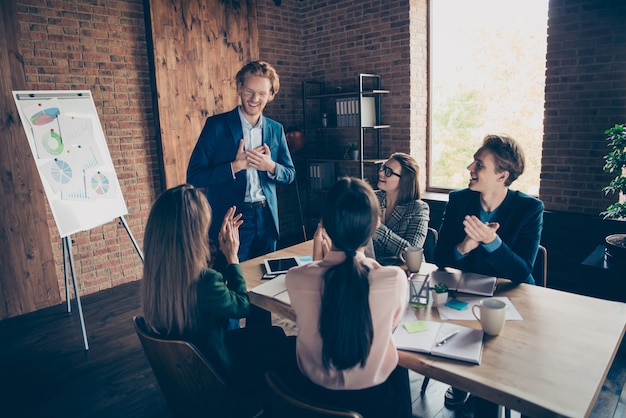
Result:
[
  {"x": 286, "y": 404},
  {"x": 429, "y": 244},
  {"x": 540, "y": 269},
  {"x": 190, "y": 384}
]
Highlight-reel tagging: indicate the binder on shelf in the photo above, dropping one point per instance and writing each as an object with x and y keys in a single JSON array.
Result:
[
  {"x": 348, "y": 112},
  {"x": 321, "y": 175}
]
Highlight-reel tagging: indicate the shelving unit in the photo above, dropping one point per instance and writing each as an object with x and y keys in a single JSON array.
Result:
[{"x": 352, "y": 115}]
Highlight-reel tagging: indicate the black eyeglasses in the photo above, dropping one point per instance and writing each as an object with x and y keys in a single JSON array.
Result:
[{"x": 388, "y": 171}]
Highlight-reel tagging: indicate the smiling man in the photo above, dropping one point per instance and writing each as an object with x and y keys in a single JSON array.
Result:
[
  {"x": 490, "y": 229},
  {"x": 239, "y": 158}
]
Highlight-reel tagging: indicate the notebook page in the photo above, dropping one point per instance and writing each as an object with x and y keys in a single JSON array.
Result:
[
  {"x": 274, "y": 288},
  {"x": 421, "y": 341},
  {"x": 467, "y": 345}
]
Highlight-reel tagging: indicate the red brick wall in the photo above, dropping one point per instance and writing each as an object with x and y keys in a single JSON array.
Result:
[
  {"x": 334, "y": 41},
  {"x": 585, "y": 95},
  {"x": 280, "y": 43},
  {"x": 101, "y": 46}
]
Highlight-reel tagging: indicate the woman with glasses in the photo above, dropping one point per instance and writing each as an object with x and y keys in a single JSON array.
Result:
[{"x": 404, "y": 217}]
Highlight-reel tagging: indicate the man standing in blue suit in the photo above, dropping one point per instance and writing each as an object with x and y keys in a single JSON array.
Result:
[{"x": 240, "y": 157}]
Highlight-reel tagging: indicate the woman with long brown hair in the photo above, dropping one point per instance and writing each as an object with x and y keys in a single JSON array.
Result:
[{"x": 184, "y": 298}]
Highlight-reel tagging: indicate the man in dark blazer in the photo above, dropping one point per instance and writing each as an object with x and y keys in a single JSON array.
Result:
[
  {"x": 489, "y": 229},
  {"x": 239, "y": 158}
]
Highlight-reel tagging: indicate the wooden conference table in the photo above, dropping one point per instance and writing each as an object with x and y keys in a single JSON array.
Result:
[{"x": 552, "y": 363}]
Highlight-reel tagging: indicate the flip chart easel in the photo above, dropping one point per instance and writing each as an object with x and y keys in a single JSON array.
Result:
[{"x": 76, "y": 169}]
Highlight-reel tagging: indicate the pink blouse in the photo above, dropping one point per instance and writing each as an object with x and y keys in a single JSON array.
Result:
[{"x": 387, "y": 299}]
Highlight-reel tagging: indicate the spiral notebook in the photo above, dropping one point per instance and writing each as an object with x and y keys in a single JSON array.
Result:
[
  {"x": 274, "y": 288},
  {"x": 464, "y": 281},
  {"x": 440, "y": 339}
]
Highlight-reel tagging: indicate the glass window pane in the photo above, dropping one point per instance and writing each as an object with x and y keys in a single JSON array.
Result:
[{"x": 488, "y": 60}]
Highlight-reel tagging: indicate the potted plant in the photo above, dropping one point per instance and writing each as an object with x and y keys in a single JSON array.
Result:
[
  {"x": 353, "y": 150},
  {"x": 440, "y": 294},
  {"x": 615, "y": 163}
]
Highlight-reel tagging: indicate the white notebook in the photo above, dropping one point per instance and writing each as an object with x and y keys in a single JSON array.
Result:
[
  {"x": 466, "y": 344},
  {"x": 274, "y": 288},
  {"x": 466, "y": 282}
]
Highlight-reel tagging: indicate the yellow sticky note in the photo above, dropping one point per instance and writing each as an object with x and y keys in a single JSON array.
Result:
[{"x": 415, "y": 326}]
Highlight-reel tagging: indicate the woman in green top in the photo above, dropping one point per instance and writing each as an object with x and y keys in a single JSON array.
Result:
[{"x": 184, "y": 298}]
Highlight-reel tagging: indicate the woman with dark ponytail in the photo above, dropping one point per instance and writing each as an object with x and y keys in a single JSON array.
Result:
[{"x": 347, "y": 306}]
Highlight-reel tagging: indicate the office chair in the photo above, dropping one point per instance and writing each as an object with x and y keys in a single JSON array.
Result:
[
  {"x": 286, "y": 404},
  {"x": 429, "y": 244},
  {"x": 540, "y": 268},
  {"x": 190, "y": 384}
]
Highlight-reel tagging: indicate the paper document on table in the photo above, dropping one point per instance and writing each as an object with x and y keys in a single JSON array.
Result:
[
  {"x": 446, "y": 312},
  {"x": 440, "y": 339},
  {"x": 465, "y": 282},
  {"x": 274, "y": 288}
]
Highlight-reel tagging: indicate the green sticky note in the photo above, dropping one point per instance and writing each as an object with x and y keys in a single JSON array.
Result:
[{"x": 415, "y": 326}]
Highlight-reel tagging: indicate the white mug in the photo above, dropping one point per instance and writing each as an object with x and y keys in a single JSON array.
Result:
[
  {"x": 412, "y": 256},
  {"x": 492, "y": 315}
]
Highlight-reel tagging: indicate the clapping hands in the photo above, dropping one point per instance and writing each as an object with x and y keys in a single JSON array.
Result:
[
  {"x": 229, "y": 236},
  {"x": 478, "y": 232},
  {"x": 322, "y": 243}
]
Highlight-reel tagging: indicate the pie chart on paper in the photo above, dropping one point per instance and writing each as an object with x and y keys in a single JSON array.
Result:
[
  {"x": 100, "y": 184},
  {"x": 61, "y": 171},
  {"x": 45, "y": 116},
  {"x": 52, "y": 142}
]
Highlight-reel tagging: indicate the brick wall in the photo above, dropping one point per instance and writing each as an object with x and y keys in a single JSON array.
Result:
[
  {"x": 585, "y": 95},
  {"x": 280, "y": 43},
  {"x": 100, "y": 47},
  {"x": 334, "y": 41}
]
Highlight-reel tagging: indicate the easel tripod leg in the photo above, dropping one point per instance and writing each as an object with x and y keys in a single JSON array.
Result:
[
  {"x": 131, "y": 237},
  {"x": 68, "y": 246},
  {"x": 67, "y": 283}
]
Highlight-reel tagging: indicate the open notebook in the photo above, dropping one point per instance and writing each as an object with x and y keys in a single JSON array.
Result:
[
  {"x": 274, "y": 288},
  {"x": 423, "y": 337},
  {"x": 466, "y": 282}
]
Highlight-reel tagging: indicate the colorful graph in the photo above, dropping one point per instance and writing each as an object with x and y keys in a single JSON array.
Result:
[
  {"x": 100, "y": 183},
  {"x": 45, "y": 116},
  {"x": 52, "y": 142},
  {"x": 61, "y": 171}
]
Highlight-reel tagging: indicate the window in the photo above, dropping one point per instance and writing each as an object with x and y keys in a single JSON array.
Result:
[{"x": 487, "y": 75}]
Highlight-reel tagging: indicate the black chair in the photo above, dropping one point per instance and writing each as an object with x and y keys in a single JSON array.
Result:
[
  {"x": 190, "y": 384},
  {"x": 286, "y": 404},
  {"x": 429, "y": 244},
  {"x": 540, "y": 268}
]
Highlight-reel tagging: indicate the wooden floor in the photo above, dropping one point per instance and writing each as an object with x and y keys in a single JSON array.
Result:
[{"x": 45, "y": 371}]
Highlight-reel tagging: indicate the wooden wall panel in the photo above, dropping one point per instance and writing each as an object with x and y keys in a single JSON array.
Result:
[
  {"x": 198, "y": 47},
  {"x": 27, "y": 271}
]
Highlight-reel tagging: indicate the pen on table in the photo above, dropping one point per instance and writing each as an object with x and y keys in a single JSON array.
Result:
[{"x": 446, "y": 338}]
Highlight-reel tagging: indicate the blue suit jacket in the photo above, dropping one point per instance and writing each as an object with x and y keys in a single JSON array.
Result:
[
  {"x": 521, "y": 222},
  {"x": 209, "y": 165}
]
